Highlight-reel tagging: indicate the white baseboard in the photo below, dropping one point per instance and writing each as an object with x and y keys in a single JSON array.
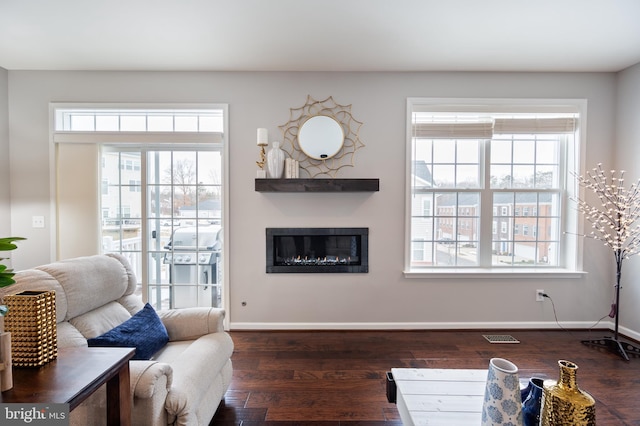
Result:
[
  {"x": 426, "y": 326},
  {"x": 628, "y": 332}
]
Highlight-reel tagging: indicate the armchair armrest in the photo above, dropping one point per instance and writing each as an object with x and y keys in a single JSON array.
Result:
[
  {"x": 149, "y": 378},
  {"x": 191, "y": 323}
]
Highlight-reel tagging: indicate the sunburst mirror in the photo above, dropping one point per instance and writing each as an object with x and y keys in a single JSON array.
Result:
[{"x": 322, "y": 136}]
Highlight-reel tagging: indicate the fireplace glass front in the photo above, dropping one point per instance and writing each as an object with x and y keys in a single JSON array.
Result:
[{"x": 317, "y": 250}]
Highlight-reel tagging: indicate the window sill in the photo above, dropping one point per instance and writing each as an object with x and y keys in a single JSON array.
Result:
[{"x": 495, "y": 273}]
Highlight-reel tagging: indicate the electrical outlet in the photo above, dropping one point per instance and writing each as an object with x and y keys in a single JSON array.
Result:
[
  {"x": 539, "y": 295},
  {"x": 37, "y": 221}
]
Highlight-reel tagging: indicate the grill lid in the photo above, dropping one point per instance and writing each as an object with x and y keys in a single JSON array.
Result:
[{"x": 200, "y": 238}]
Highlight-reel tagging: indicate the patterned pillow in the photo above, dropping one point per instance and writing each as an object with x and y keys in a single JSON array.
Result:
[{"x": 144, "y": 331}]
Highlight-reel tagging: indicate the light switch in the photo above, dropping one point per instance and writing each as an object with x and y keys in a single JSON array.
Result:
[{"x": 38, "y": 221}]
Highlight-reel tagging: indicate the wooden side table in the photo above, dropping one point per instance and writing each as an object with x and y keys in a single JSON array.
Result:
[{"x": 73, "y": 376}]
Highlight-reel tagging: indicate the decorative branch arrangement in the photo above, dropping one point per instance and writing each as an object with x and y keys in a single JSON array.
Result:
[{"x": 614, "y": 222}]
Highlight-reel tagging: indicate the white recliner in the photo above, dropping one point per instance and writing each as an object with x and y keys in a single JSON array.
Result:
[{"x": 182, "y": 384}]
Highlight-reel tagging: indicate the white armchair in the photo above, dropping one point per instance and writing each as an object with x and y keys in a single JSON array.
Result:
[{"x": 181, "y": 384}]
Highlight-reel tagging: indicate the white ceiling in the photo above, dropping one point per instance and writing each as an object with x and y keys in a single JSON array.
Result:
[{"x": 320, "y": 35}]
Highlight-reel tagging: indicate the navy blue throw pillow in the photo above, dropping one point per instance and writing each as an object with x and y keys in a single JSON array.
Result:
[{"x": 144, "y": 331}]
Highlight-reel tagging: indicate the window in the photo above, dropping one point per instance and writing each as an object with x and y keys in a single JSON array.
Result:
[
  {"x": 135, "y": 185},
  {"x": 161, "y": 181},
  {"x": 504, "y": 166},
  {"x": 426, "y": 208}
]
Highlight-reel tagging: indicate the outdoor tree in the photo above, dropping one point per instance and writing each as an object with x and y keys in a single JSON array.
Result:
[{"x": 183, "y": 177}]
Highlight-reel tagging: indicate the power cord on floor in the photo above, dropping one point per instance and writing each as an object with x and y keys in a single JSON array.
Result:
[
  {"x": 553, "y": 305},
  {"x": 554, "y": 312}
]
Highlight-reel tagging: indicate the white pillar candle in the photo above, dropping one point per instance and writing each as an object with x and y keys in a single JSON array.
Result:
[{"x": 263, "y": 136}]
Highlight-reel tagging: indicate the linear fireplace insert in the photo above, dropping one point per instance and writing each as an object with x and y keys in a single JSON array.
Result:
[{"x": 317, "y": 250}]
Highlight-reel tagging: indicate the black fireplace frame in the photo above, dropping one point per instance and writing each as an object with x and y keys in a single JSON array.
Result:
[{"x": 361, "y": 267}]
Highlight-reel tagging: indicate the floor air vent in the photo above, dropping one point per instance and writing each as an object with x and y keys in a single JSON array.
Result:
[{"x": 500, "y": 338}]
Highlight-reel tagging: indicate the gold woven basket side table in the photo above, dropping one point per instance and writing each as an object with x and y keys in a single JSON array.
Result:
[{"x": 31, "y": 320}]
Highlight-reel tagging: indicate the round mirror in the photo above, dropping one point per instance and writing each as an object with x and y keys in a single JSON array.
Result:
[{"x": 321, "y": 137}]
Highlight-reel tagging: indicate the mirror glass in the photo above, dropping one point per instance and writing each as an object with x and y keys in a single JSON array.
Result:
[{"x": 321, "y": 137}]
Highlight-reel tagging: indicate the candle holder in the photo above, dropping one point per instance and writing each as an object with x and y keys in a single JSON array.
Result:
[{"x": 263, "y": 140}]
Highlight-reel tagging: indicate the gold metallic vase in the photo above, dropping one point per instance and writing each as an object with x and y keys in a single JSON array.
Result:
[
  {"x": 563, "y": 403},
  {"x": 32, "y": 322}
]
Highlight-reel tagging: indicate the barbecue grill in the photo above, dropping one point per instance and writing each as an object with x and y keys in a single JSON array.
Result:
[{"x": 193, "y": 258}]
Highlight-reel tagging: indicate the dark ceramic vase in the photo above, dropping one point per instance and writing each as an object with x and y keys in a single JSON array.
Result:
[{"x": 532, "y": 402}]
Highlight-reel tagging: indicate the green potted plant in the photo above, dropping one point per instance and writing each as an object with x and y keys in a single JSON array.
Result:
[{"x": 6, "y": 275}]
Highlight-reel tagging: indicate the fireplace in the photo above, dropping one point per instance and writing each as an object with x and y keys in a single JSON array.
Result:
[{"x": 317, "y": 250}]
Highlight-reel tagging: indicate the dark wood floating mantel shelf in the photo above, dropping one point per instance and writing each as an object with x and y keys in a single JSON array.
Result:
[{"x": 317, "y": 185}]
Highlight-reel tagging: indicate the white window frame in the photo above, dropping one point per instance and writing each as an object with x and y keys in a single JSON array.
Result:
[
  {"x": 571, "y": 261},
  {"x": 60, "y": 132}
]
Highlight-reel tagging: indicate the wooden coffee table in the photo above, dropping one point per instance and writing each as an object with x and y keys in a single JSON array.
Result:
[
  {"x": 431, "y": 396},
  {"x": 73, "y": 376}
]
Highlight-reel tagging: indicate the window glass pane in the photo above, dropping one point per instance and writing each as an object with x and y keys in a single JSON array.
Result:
[
  {"x": 444, "y": 175},
  {"x": 523, "y": 176},
  {"x": 501, "y": 176},
  {"x": 468, "y": 151},
  {"x": 524, "y": 151},
  {"x": 133, "y": 123},
  {"x": 547, "y": 177},
  {"x": 159, "y": 167},
  {"x": 161, "y": 200},
  {"x": 186, "y": 123},
  {"x": 422, "y": 253},
  {"x": 423, "y": 150},
  {"x": 444, "y": 151},
  {"x": 160, "y": 123},
  {"x": 422, "y": 176},
  {"x": 107, "y": 123},
  {"x": 501, "y": 151},
  {"x": 211, "y": 123},
  {"x": 423, "y": 228},
  {"x": 209, "y": 168},
  {"x": 547, "y": 150},
  {"x": 467, "y": 176},
  {"x": 82, "y": 122}
]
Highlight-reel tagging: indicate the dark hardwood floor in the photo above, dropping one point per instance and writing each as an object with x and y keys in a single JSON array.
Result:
[{"x": 338, "y": 377}]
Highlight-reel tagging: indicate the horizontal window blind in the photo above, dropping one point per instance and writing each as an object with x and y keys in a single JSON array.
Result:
[
  {"x": 453, "y": 130},
  {"x": 486, "y": 129},
  {"x": 535, "y": 125}
]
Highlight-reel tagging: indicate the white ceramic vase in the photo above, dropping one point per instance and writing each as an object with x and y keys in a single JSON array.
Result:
[
  {"x": 502, "y": 401},
  {"x": 275, "y": 161}
]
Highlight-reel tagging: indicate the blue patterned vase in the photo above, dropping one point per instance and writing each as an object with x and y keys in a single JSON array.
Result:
[
  {"x": 532, "y": 403},
  {"x": 502, "y": 401}
]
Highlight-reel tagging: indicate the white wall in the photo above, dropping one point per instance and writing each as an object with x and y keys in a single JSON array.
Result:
[
  {"x": 5, "y": 211},
  {"x": 628, "y": 159},
  {"x": 381, "y": 298}
]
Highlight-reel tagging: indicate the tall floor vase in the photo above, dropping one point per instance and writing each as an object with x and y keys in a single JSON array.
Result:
[{"x": 502, "y": 400}]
